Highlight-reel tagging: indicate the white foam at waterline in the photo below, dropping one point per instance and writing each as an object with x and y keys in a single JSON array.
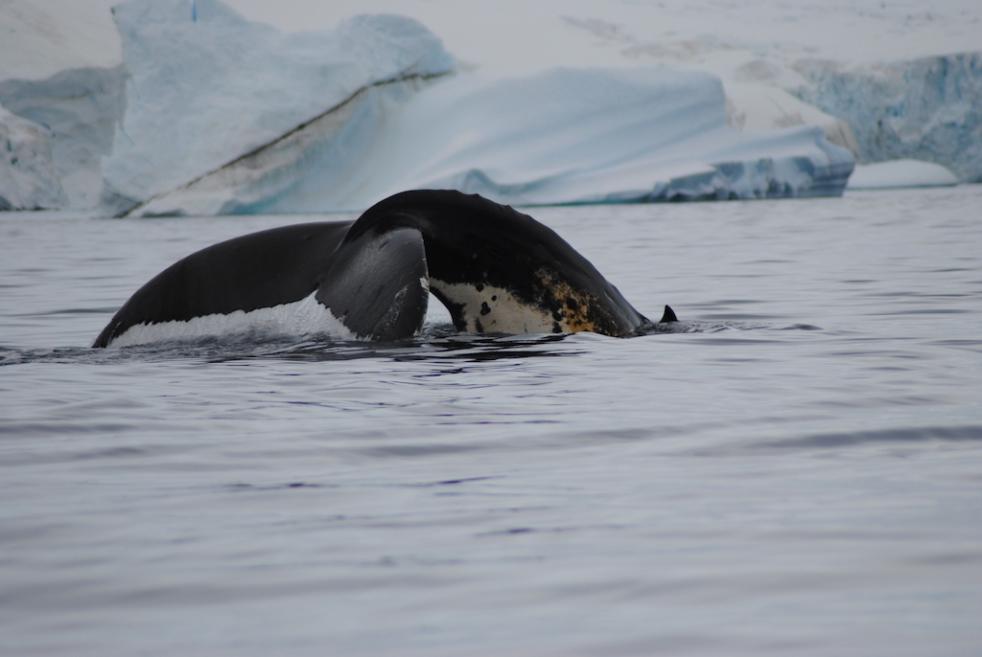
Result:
[{"x": 305, "y": 317}]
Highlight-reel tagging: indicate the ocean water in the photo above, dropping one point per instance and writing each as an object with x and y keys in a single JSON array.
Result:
[{"x": 795, "y": 470}]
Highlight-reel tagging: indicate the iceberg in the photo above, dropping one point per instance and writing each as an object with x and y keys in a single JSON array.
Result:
[
  {"x": 186, "y": 106},
  {"x": 60, "y": 70},
  {"x": 27, "y": 173},
  {"x": 882, "y": 79},
  {"x": 366, "y": 124},
  {"x": 209, "y": 113},
  {"x": 562, "y": 136},
  {"x": 927, "y": 109},
  {"x": 207, "y": 88},
  {"x": 79, "y": 109},
  {"x": 901, "y": 173}
]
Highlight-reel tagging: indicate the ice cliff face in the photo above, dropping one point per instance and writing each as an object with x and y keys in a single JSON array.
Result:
[
  {"x": 927, "y": 109},
  {"x": 60, "y": 71},
  {"x": 27, "y": 173},
  {"x": 79, "y": 109}
]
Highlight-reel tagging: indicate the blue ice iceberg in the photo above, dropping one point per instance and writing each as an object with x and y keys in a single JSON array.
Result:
[
  {"x": 207, "y": 92},
  {"x": 927, "y": 109},
  {"x": 210, "y": 113},
  {"x": 564, "y": 136}
]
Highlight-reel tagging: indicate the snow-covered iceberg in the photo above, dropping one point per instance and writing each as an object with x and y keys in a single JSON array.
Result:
[
  {"x": 558, "y": 137},
  {"x": 79, "y": 109},
  {"x": 602, "y": 135},
  {"x": 207, "y": 87},
  {"x": 219, "y": 114},
  {"x": 186, "y": 106},
  {"x": 61, "y": 70},
  {"x": 27, "y": 173}
]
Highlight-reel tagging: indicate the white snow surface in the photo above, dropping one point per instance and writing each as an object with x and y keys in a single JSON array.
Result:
[{"x": 901, "y": 173}]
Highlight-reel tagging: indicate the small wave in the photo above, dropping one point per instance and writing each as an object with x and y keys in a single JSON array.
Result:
[
  {"x": 108, "y": 310},
  {"x": 435, "y": 341},
  {"x": 242, "y": 486},
  {"x": 967, "y": 433},
  {"x": 713, "y": 324}
]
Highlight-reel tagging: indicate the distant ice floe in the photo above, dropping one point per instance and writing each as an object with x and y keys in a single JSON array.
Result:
[{"x": 901, "y": 173}]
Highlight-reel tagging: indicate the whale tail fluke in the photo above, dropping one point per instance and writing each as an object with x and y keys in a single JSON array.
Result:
[
  {"x": 378, "y": 286},
  {"x": 495, "y": 269},
  {"x": 498, "y": 270}
]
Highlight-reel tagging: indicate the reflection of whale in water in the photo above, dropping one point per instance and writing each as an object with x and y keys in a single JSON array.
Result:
[{"x": 496, "y": 270}]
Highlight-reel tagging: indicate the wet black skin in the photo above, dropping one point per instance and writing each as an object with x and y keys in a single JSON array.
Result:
[{"x": 367, "y": 272}]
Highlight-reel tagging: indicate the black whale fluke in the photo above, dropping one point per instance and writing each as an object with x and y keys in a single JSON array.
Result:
[
  {"x": 497, "y": 271},
  {"x": 377, "y": 284}
]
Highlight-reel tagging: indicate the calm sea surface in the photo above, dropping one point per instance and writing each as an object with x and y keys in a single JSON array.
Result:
[{"x": 797, "y": 470}]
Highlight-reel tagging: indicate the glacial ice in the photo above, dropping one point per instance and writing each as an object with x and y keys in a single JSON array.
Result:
[
  {"x": 207, "y": 88},
  {"x": 927, "y": 109},
  {"x": 79, "y": 108},
  {"x": 202, "y": 111},
  {"x": 561, "y": 136},
  {"x": 27, "y": 172},
  {"x": 901, "y": 173}
]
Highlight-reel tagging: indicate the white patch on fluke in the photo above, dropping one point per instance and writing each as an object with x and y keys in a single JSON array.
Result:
[
  {"x": 503, "y": 313},
  {"x": 305, "y": 317}
]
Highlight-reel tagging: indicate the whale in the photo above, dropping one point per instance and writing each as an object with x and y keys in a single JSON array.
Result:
[{"x": 497, "y": 271}]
